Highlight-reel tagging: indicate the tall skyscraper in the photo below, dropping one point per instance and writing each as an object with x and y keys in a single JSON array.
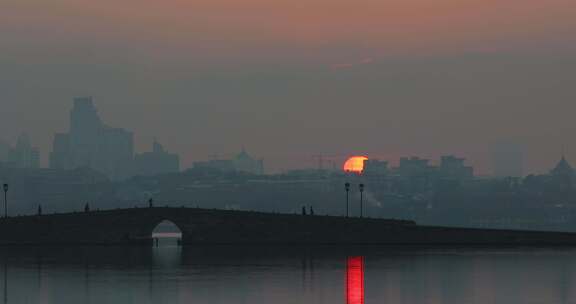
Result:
[
  {"x": 86, "y": 133},
  {"x": 90, "y": 143}
]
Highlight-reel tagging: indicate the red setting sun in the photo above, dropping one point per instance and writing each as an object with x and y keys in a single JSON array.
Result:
[{"x": 355, "y": 164}]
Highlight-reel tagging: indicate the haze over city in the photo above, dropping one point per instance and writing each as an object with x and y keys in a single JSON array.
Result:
[
  {"x": 291, "y": 80},
  {"x": 280, "y": 151}
]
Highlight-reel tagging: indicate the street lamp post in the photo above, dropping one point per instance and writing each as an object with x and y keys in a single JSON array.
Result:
[
  {"x": 347, "y": 187},
  {"x": 361, "y": 199},
  {"x": 5, "y": 187}
]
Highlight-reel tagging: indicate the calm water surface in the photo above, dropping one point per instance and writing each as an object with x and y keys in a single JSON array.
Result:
[{"x": 170, "y": 274}]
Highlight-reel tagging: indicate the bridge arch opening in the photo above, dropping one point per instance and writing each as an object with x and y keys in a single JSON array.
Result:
[{"x": 166, "y": 233}]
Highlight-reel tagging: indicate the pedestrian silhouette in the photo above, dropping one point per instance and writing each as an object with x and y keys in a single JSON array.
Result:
[
  {"x": 303, "y": 210},
  {"x": 150, "y": 203},
  {"x": 86, "y": 208},
  {"x": 311, "y": 210},
  {"x": 39, "y": 209}
]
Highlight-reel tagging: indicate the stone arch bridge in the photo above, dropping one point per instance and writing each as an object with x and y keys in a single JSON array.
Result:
[{"x": 208, "y": 226}]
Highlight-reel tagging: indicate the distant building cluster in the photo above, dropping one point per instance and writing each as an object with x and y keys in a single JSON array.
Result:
[
  {"x": 92, "y": 144},
  {"x": 242, "y": 162},
  {"x": 157, "y": 161},
  {"x": 22, "y": 155},
  {"x": 450, "y": 167}
]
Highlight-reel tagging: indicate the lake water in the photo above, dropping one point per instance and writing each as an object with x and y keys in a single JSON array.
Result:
[{"x": 171, "y": 274}]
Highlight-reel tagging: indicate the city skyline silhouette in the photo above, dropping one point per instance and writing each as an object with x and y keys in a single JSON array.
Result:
[{"x": 502, "y": 157}]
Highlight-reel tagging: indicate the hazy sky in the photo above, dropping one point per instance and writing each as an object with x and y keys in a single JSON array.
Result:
[{"x": 290, "y": 79}]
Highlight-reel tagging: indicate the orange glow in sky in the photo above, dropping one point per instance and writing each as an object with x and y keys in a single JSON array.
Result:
[{"x": 355, "y": 164}]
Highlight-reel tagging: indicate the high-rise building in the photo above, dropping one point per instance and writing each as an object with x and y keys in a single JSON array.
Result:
[
  {"x": 243, "y": 162},
  {"x": 453, "y": 167},
  {"x": 375, "y": 167},
  {"x": 413, "y": 166},
  {"x": 563, "y": 174},
  {"x": 158, "y": 161},
  {"x": 60, "y": 157},
  {"x": 23, "y": 155},
  {"x": 92, "y": 144}
]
